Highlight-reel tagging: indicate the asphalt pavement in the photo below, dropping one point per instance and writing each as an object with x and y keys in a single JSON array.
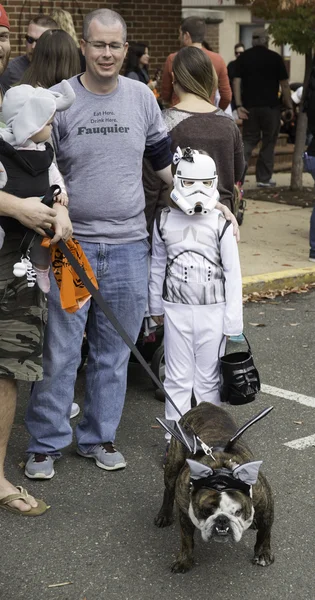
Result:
[{"x": 99, "y": 538}]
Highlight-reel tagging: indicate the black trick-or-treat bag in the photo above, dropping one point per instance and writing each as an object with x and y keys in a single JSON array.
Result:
[{"x": 239, "y": 377}]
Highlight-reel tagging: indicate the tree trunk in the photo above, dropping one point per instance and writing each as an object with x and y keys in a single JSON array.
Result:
[{"x": 301, "y": 129}]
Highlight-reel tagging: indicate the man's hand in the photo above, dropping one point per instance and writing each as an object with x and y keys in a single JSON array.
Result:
[
  {"x": 32, "y": 213},
  {"x": 229, "y": 217},
  {"x": 242, "y": 113},
  {"x": 62, "y": 226},
  {"x": 158, "y": 319}
]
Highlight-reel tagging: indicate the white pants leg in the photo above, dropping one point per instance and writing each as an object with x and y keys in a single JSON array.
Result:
[
  {"x": 192, "y": 336},
  {"x": 208, "y": 329},
  {"x": 179, "y": 357}
]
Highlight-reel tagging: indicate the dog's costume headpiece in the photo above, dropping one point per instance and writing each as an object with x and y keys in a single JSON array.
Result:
[
  {"x": 195, "y": 182},
  {"x": 26, "y": 110},
  {"x": 241, "y": 478}
]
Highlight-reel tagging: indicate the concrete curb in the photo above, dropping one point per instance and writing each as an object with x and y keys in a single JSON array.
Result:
[{"x": 278, "y": 280}]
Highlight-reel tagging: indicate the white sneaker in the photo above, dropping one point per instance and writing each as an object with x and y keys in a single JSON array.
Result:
[
  {"x": 266, "y": 184},
  {"x": 75, "y": 409}
]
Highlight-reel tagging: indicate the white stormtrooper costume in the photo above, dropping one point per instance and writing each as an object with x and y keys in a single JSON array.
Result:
[{"x": 195, "y": 282}]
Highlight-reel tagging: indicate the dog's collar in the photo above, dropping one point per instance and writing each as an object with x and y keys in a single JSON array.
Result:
[{"x": 221, "y": 480}]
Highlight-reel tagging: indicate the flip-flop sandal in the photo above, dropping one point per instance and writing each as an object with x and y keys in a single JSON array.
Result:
[{"x": 40, "y": 509}]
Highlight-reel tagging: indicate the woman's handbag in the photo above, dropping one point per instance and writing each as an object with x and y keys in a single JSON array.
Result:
[{"x": 239, "y": 377}]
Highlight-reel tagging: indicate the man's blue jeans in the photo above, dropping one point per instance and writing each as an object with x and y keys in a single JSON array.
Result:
[{"x": 122, "y": 274}]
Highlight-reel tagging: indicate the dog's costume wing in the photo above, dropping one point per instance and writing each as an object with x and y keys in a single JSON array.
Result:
[{"x": 179, "y": 433}]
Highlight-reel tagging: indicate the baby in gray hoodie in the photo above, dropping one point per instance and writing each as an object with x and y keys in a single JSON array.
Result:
[{"x": 26, "y": 163}]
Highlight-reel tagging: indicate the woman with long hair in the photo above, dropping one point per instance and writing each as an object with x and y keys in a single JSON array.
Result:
[
  {"x": 64, "y": 21},
  {"x": 137, "y": 64},
  {"x": 55, "y": 58},
  {"x": 197, "y": 123}
]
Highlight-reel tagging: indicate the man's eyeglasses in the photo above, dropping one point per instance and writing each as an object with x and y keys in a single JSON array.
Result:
[
  {"x": 30, "y": 39},
  {"x": 100, "y": 46}
]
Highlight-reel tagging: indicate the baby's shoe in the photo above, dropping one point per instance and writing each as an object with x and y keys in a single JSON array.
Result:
[{"x": 42, "y": 279}]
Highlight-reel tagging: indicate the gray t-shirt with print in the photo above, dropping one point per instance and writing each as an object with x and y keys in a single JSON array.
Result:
[{"x": 100, "y": 141}]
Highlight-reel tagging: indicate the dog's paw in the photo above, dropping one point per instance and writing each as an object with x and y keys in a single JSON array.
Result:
[
  {"x": 163, "y": 520},
  {"x": 181, "y": 566},
  {"x": 264, "y": 559}
]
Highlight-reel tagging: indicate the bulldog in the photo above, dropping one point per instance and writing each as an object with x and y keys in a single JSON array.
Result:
[{"x": 221, "y": 494}]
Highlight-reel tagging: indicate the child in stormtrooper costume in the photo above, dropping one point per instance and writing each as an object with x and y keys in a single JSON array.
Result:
[
  {"x": 195, "y": 282},
  {"x": 26, "y": 164}
]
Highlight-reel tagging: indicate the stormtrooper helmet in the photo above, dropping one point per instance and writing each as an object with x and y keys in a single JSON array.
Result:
[{"x": 195, "y": 182}]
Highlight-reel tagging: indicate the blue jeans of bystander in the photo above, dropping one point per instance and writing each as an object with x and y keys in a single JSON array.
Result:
[{"x": 122, "y": 273}]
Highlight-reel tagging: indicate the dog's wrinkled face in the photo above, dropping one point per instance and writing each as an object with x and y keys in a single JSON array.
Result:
[{"x": 221, "y": 515}]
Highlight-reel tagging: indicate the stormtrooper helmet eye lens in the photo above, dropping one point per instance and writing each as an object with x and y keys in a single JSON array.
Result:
[
  {"x": 208, "y": 183},
  {"x": 187, "y": 183}
]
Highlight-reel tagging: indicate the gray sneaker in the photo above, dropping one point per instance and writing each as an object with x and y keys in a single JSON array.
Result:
[
  {"x": 40, "y": 466},
  {"x": 106, "y": 456}
]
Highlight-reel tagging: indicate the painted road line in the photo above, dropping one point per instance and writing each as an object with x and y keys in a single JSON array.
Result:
[
  {"x": 301, "y": 443},
  {"x": 299, "y": 398}
]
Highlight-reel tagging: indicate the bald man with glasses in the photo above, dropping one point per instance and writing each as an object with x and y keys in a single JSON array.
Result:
[{"x": 17, "y": 66}]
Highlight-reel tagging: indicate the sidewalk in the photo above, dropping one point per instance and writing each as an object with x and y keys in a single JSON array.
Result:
[{"x": 274, "y": 245}]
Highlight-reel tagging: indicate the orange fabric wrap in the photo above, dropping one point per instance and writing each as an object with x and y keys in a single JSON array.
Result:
[{"x": 73, "y": 294}]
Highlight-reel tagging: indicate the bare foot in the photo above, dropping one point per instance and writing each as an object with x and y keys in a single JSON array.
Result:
[{"x": 6, "y": 489}]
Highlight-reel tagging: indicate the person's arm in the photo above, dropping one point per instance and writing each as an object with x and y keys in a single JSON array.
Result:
[
  {"x": 224, "y": 86},
  {"x": 233, "y": 315},
  {"x": 31, "y": 212},
  {"x": 166, "y": 175},
  {"x": 239, "y": 160},
  {"x": 229, "y": 217},
  {"x": 166, "y": 82},
  {"x": 286, "y": 96},
  {"x": 157, "y": 275},
  {"x": 241, "y": 111},
  {"x": 63, "y": 226},
  {"x": 55, "y": 177}
]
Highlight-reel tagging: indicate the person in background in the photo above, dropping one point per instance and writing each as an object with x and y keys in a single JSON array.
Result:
[
  {"x": 258, "y": 74},
  {"x": 64, "y": 21},
  {"x": 21, "y": 309},
  {"x": 239, "y": 48},
  {"x": 17, "y": 66},
  {"x": 309, "y": 155},
  {"x": 55, "y": 58},
  {"x": 196, "y": 123},
  {"x": 137, "y": 63},
  {"x": 192, "y": 32}
]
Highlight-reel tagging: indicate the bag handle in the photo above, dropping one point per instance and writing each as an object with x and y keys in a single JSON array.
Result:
[{"x": 247, "y": 342}]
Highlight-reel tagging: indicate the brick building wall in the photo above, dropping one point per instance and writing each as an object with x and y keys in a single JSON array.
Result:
[
  {"x": 153, "y": 21},
  {"x": 212, "y": 36}
]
